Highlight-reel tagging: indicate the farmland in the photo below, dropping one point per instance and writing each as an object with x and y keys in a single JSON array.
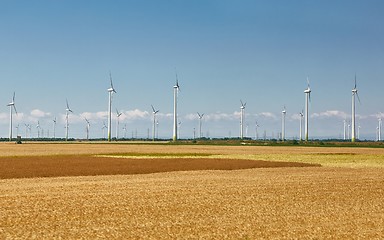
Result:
[{"x": 154, "y": 191}]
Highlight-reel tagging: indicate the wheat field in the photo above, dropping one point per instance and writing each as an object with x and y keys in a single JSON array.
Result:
[{"x": 341, "y": 199}]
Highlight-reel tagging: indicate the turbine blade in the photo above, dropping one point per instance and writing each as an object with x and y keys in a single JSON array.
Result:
[
  {"x": 110, "y": 78},
  {"x": 308, "y": 82},
  {"x": 355, "y": 82},
  {"x": 358, "y": 98},
  {"x": 13, "y": 99},
  {"x": 153, "y": 109},
  {"x": 14, "y": 107}
]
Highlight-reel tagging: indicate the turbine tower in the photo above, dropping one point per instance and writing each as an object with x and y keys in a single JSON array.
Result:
[
  {"x": 354, "y": 93},
  {"x": 307, "y": 99},
  {"x": 345, "y": 129},
  {"x": 110, "y": 90},
  {"x": 200, "y": 119},
  {"x": 283, "y": 113},
  {"x": 301, "y": 125},
  {"x": 118, "y": 114},
  {"x": 103, "y": 128},
  {"x": 379, "y": 133},
  {"x": 54, "y": 127},
  {"x": 154, "y": 112},
  {"x": 242, "y": 116},
  {"x": 11, "y": 106},
  {"x": 38, "y": 129},
  {"x": 257, "y": 133},
  {"x": 87, "y": 128},
  {"x": 176, "y": 89},
  {"x": 67, "y": 111}
]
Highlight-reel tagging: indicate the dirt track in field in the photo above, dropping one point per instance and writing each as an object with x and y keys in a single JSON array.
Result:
[{"x": 85, "y": 165}]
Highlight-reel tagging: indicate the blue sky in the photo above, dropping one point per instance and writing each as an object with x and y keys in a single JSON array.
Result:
[{"x": 223, "y": 51}]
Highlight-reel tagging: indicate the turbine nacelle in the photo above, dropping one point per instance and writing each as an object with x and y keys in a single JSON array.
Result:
[
  {"x": 111, "y": 88},
  {"x": 153, "y": 110},
  {"x": 12, "y": 103},
  {"x": 243, "y": 105},
  {"x": 68, "y": 109}
]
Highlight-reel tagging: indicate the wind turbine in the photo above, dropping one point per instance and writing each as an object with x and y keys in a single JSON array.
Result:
[
  {"x": 110, "y": 90},
  {"x": 11, "y": 106},
  {"x": 157, "y": 129},
  {"x": 125, "y": 131},
  {"x": 54, "y": 127},
  {"x": 379, "y": 130},
  {"x": 349, "y": 130},
  {"x": 38, "y": 129},
  {"x": 345, "y": 129},
  {"x": 200, "y": 119},
  {"x": 307, "y": 99},
  {"x": 87, "y": 128},
  {"x": 354, "y": 93},
  {"x": 301, "y": 125},
  {"x": 154, "y": 112},
  {"x": 26, "y": 130},
  {"x": 104, "y": 127},
  {"x": 17, "y": 129},
  {"x": 283, "y": 113},
  {"x": 179, "y": 126},
  {"x": 242, "y": 116},
  {"x": 118, "y": 114},
  {"x": 67, "y": 111},
  {"x": 358, "y": 131},
  {"x": 257, "y": 133},
  {"x": 176, "y": 89}
]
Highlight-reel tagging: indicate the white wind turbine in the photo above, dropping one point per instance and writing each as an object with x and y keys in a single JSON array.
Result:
[
  {"x": 103, "y": 128},
  {"x": 87, "y": 128},
  {"x": 257, "y": 133},
  {"x": 11, "y": 106},
  {"x": 157, "y": 129},
  {"x": 379, "y": 129},
  {"x": 54, "y": 127},
  {"x": 242, "y": 116},
  {"x": 38, "y": 129},
  {"x": 345, "y": 128},
  {"x": 125, "y": 131},
  {"x": 67, "y": 111},
  {"x": 176, "y": 89},
  {"x": 110, "y": 90},
  {"x": 26, "y": 130},
  {"x": 200, "y": 120},
  {"x": 17, "y": 129},
  {"x": 354, "y": 93},
  {"x": 301, "y": 125},
  {"x": 307, "y": 99},
  {"x": 283, "y": 113},
  {"x": 118, "y": 114},
  {"x": 154, "y": 112}
]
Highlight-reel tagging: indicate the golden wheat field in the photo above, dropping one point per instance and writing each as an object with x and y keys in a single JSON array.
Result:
[{"x": 144, "y": 191}]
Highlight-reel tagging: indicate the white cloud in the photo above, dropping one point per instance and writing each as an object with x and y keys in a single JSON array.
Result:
[
  {"x": 266, "y": 115},
  {"x": 37, "y": 113},
  {"x": 135, "y": 115},
  {"x": 330, "y": 114}
]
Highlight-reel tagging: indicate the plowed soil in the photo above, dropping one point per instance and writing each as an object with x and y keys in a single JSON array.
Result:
[{"x": 85, "y": 165}]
